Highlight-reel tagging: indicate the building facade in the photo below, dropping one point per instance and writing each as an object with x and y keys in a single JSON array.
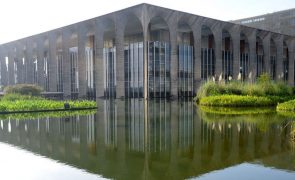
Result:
[
  {"x": 145, "y": 51},
  {"x": 280, "y": 22}
]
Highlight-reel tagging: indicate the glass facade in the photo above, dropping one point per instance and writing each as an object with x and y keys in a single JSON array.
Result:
[
  {"x": 158, "y": 69},
  {"x": 285, "y": 63},
  {"x": 259, "y": 65},
  {"x": 90, "y": 73},
  {"x": 244, "y": 66},
  {"x": 35, "y": 70},
  {"x": 273, "y": 67},
  {"x": 134, "y": 69},
  {"x": 109, "y": 60},
  {"x": 285, "y": 68},
  {"x": 207, "y": 63},
  {"x": 59, "y": 68},
  {"x": 15, "y": 68},
  {"x": 227, "y": 64},
  {"x": 185, "y": 70},
  {"x": 46, "y": 72},
  {"x": 74, "y": 70}
]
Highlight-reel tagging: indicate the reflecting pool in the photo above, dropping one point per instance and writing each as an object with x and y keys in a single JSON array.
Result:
[{"x": 136, "y": 139}]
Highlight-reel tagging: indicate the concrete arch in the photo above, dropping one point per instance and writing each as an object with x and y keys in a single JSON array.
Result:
[
  {"x": 108, "y": 27},
  {"x": 244, "y": 43},
  {"x": 133, "y": 28},
  {"x": 227, "y": 41},
  {"x": 259, "y": 46},
  {"x": 208, "y": 38},
  {"x": 184, "y": 29},
  {"x": 158, "y": 25}
]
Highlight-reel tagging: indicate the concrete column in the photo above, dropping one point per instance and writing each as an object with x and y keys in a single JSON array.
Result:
[
  {"x": 236, "y": 53},
  {"x": 291, "y": 63},
  {"x": 266, "y": 52},
  {"x": 252, "y": 55},
  {"x": 66, "y": 64},
  {"x": 119, "y": 42},
  {"x": 197, "y": 54},
  {"x": 52, "y": 63},
  {"x": 217, "y": 31},
  {"x": 280, "y": 45},
  {"x": 40, "y": 63},
  {"x": 174, "y": 61},
  {"x": 82, "y": 36},
  {"x": 99, "y": 69}
]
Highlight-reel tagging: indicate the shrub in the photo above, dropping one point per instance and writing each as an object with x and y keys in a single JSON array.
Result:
[
  {"x": 23, "y": 89},
  {"x": 236, "y": 101}
]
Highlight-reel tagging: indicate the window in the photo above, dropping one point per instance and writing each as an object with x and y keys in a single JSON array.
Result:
[
  {"x": 59, "y": 71},
  {"x": 185, "y": 70},
  {"x": 46, "y": 72},
  {"x": 74, "y": 70},
  {"x": 109, "y": 59},
  {"x": 158, "y": 69},
  {"x": 207, "y": 63},
  {"x": 133, "y": 65},
  {"x": 227, "y": 64},
  {"x": 90, "y": 77}
]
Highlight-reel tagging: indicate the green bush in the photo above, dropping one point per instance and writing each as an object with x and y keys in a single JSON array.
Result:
[
  {"x": 236, "y": 101},
  {"x": 23, "y": 89}
]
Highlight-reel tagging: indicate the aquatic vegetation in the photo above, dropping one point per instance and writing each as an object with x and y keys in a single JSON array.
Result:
[
  {"x": 11, "y": 103},
  {"x": 286, "y": 106},
  {"x": 236, "y": 101}
]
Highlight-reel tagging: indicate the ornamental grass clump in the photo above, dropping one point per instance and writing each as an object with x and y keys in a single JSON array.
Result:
[{"x": 24, "y": 89}]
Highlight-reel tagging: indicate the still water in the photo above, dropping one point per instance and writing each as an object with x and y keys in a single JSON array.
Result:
[{"x": 148, "y": 140}]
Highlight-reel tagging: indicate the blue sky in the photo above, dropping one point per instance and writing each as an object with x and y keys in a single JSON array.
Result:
[{"x": 22, "y": 18}]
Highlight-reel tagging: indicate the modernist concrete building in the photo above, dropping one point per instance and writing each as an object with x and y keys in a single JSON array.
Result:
[
  {"x": 280, "y": 22},
  {"x": 144, "y": 51}
]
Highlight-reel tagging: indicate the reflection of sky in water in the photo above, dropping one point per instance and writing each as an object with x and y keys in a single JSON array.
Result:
[
  {"x": 248, "y": 171},
  {"x": 19, "y": 164}
]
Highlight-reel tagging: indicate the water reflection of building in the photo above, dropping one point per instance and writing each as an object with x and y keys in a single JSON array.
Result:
[{"x": 171, "y": 141}]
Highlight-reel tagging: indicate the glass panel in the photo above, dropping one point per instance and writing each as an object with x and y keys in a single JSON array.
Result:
[
  {"x": 74, "y": 70},
  {"x": 185, "y": 71},
  {"x": 159, "y": 69},
  {"x": 110, "y": 72},
  {"x": 59, "y": 72}
]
